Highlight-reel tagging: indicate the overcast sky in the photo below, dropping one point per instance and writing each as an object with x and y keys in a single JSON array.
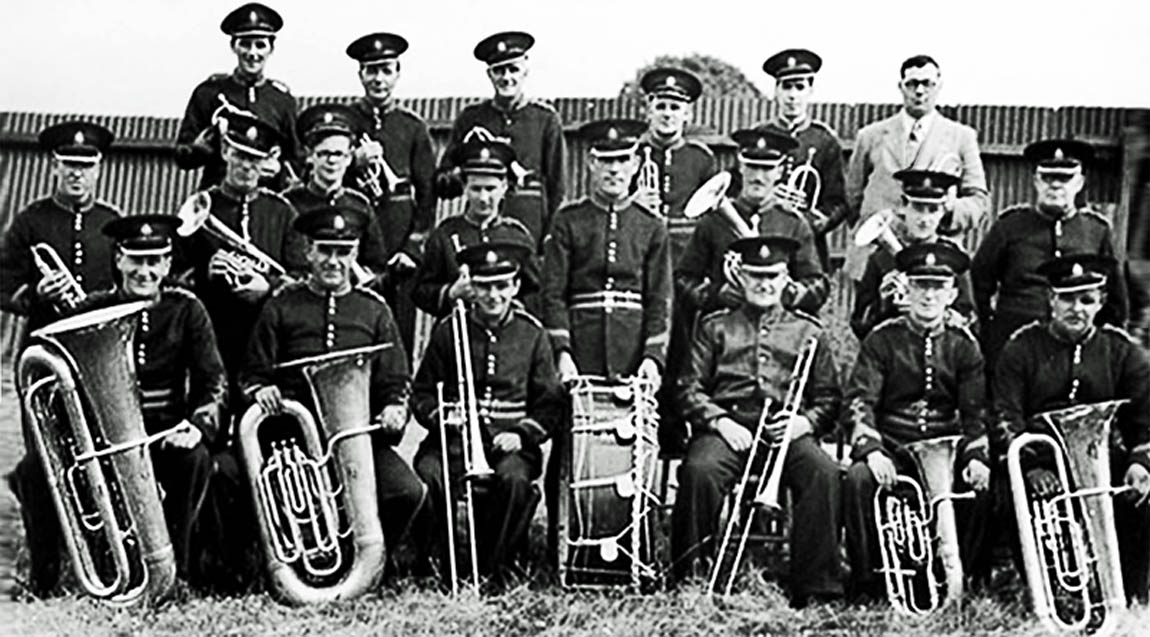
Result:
[{"x": 145, "y": 56}]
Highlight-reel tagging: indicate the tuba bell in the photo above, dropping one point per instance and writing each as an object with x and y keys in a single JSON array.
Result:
[
  {"x": 313, "y": 482},
  {"x": 1069, "y": 542},
  {"x": 911, "y": 517},
  {"x": 77, "y": 385}
]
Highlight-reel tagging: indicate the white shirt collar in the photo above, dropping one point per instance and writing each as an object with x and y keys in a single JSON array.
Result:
[{"x": 926, "y": 120}]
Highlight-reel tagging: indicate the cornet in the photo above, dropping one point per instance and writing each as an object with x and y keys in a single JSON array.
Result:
[
  {"x": 375, "y": 169},
  {"x": 49, "y": 263},
  {"x": 878, "y": 230},
  {"x": 802, "y": 190},
  {"x": 241, "y": 257}
]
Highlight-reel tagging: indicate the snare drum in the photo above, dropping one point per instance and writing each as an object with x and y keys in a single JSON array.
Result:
[{"x": 607, "y": 506}]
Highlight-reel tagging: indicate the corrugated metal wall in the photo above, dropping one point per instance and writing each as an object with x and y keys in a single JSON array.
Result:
[{"x": 140, "y": 176}]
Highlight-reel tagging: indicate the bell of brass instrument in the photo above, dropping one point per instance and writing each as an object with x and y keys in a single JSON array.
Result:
[
  {"x": 739, "y": 523},
  {"x": 195, "y": 214},
  {"x": 77, "y": 385},
  {"x": 803, "y": 187},
  {"x": 648, "y": 179},
  {"x": 313, "y": 482},
  {"x": 917, "y": 530},
  {"x": 712, "y": 195},
  {"x": 1069, "y": 542},
  {"x": 49, "y": 263},
  {"x": 376, "y": 170},
  {"x": 878, "y": 230}
]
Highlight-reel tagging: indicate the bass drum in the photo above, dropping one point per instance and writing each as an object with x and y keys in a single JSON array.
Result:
[{"x": 607, "y": 508}]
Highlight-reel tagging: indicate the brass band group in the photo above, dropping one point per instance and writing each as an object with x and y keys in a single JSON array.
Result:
[{"x": 252, "y": 352}]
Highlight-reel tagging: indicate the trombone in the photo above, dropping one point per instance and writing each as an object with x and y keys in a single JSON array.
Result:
[{"x": 739, "y": 523}]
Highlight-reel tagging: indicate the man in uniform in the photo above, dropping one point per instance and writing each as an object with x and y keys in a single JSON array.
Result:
[
  {"x": 252, "y": 28},
  {"x": 439, "y": 282},
  {"x": 739, "y": 359},
  {"x": 1008, "y": 292},
  {"x": 182, "y": 386},
  {"x": 399, "y": 138},
  {"x": 328, "y": 132},
  {"x": 882, "y": 292},
  {"x": 226, "y": 279},
  {"x": 919, "y": 137},
  {"x": 794, "y": 72},
  {"x": 917, "y": 377},
  {"x": 325, "y": 313},
  {"x": 531, "y": 127},
  {"x": 760, "y": 209},
  {"x": 1067, "y": 360},
  {"x": 520, "y": 404}
]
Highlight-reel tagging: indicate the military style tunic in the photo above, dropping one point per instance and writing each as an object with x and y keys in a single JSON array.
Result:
[
  {"x": 533, "y": 129},
  {"x": 76, "y": 236},
  {"x": 439, "y": 267},
  {"x": 306, "y": 198},
  {"x": 607, "y": 286},
  {"x": 683, "y": 167},
  {"x": 268, "y": 99},
  {"x": 828, "y": 161},
  {"x": 871, "y": 309},
  {"x": 1006, "y": 264}
]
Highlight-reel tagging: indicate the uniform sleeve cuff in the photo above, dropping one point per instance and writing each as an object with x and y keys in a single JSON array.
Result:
[{"x": 863, "y": 445}]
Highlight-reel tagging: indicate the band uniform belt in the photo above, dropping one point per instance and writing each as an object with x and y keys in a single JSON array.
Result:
[{"x": 607, "y": 300}]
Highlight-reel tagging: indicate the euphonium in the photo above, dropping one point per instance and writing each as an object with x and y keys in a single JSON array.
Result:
[
  {"x": 243, "y": 255},
  {"x": 77, "y": 385},
  {"x": 1069, "y": 542},
  {"x": 770, "y": 477},
  {"x": 314, "y": 483},
  {"x": 49, "y": 263},
  {"x": 910, "y": 517}
]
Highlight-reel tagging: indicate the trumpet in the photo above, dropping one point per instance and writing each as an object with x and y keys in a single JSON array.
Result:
[
  {"x": 49, "y": 263},
  {"x": 1069, "y": 542},
  {"x": 241, "y": 257},
  {"x": 464, "y": 415},
  {"x": 905, "y": 516},
  {"x": 740, "y": 522},
  {"x": 377, "y": 168}
]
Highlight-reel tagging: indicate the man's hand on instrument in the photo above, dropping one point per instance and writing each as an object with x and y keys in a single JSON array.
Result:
[
  {"x": 777, "y": 427},
  {"x": 818, "y": 220},
  {"x": 1138, "y": 477},
  {"x": 954, "y": 318},
  {"x": 649, "y": 199},
  {"x": 893, "y": 289},
  {"x": 882, "y": 467},
  {"x": 53, "y": 287},
  {"x": 1043, "y": 482},
  {"x": 737, "y": 437},
  {"x": 568, "y": 370},
  {"x": 269, "y": 399},
  {"x": 507, "y": 441},
  {"x": 649, "y": 369},
  {"x": 203, "y": 141},
  {"x": 977, "y": 475},
  {"x": 392, "y": 419},
  {"x": 368, "y": 151},
  {"x": 185, "y": 436},
  {"x": 252, "y": 288},
  {"x": 788, "y": 198}
]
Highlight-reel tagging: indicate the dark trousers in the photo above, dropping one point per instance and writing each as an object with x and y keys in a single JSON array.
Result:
[
  {"x": 399, "y": 491},
  {"x": 504, "y": 505},
  {"x": 707, "y": 475},
  {"x": 859, "y": 487},
  {"x": 994, "y": 336}
]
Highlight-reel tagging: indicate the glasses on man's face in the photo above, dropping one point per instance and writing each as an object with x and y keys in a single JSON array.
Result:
[
  {"x": 332, "y": 154},
  {"x": 914, "y": 85}
]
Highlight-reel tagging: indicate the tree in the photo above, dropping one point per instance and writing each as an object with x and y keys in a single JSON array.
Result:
[{"x": 719, "y": 78}]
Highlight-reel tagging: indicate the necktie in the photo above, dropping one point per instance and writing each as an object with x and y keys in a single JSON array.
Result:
[{"x": 913, "y": 141}]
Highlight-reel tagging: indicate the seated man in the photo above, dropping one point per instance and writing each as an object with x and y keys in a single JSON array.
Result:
[
  {"x": 1069, "y": 360},
  {"x": 917, "y": 377},
  {"x": 520, "y": 403},
  {"x": 325, "y": 313},
  {"x": 740, "y": 358},
  {"x": 179, "y": 373},
  {"x": 881, "y": 293}
]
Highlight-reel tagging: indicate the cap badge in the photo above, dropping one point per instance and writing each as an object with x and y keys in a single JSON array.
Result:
[
  {"x": 1059, "y": 155},
  {"x": 146, "y": 230},
  {"x": 491, "y": 258},
  {"x": 670, "y": 80},
  {"x": 378, "y": 44},
  {"x": 484, "y": 154},
  {"x": 252, "y": 133},
  {"x": 926, "y": 182},
  {"x": 1076, "y": 270},
  {"x": 612, "y": 133},
  {"x": 930, "y": 260},
  {"x": 761, "y": 143},
  {"x": 79, "y": 138},
  {"x": 327, "y": 117},
  {"x": 338, "y": 223},
  {"x": 764, "y": 252},
  {"x": 254, "y": 17},
  {"x": 791, "y": 62},
  {"x": 501, "y": 46}
]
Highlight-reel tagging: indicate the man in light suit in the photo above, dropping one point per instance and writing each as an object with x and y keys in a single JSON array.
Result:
[{"x": 915, "y": 137}]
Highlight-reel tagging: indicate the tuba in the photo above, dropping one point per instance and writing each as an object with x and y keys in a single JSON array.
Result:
[
  {"x": 49, "y": 263},
  {"x": 313, "y": 482},
  {"x": 739, "y": 523},
  {"x": 243, "y": 255},
  {"x": 911, "y": 517},
  {"x": 463, "y": 415},
  {"x": 77, "y": 384},
  {"x": 1069, "y": 543}
]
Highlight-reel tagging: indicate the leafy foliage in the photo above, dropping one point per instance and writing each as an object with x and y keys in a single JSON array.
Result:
[{"x": 719, "y": 78}]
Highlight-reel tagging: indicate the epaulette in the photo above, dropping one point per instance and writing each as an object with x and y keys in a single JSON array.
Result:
[
  {"x": 175, "y": 289},
  {"x": 964, "y": 330},
  {"x": 825, "y": 126},
  {"x": 216, "y": 77},
  {"x": 273, "y": 194},
  {"x": 1015, "y": 208},
  {"x": 280, "y": 85},
  {"x": 541, "y": 103},
  {"x": 527, "y": 316},
  {"x": 513, "y": 222},
  {"x": 1114, "y": 329},
  {"x": 1016, "y": 333},
  {"x": 1090, "y": 212},
  {"x": 803, "y": 314},
  {"x": 110, "y": 206},
  {"x": 888, "y": 323},
  {"x": 700, "y": 146},
  {"x": 714, "y": 314},
  {"x": 652, "y": 213},
  {"x": 951, "y": 241},
  {"x": 290, "y": 286},
  {"x": 406, "y": 111},
  {"x": 353, "y": 193},
  {"x": 372, "y": 294}
]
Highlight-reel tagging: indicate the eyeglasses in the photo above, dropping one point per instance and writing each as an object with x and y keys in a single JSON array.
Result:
[
  {"x": 914, "y": 84},
  {"x": 332, "y": 154}
]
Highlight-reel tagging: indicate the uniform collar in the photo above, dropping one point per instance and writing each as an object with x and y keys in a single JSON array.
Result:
[
  {"x": 383, "y": 108},
  {"x": 246, "y": 81},
  {"x": 516, "y": 104},
  {"x": 122, "y": 294},
  {"x": 314, "y": 189},
  {"x": 315, "y": 289},
  {"x": 482, "y": 225},
  {"x": 918, "y": 329},
  {"x": 795, "y": 126},
  {"x": 608, "y": 205},
  {"x": 649, "y": 138},
  {"x": 234, "y": 194},
  {"x": 81, "y": 206},
  {"x": 503, "y": 321},
  {"x": 1050, "y": 213},
  {"x": 770, "y": 314},
  {"x": 1089, "y": 334}
]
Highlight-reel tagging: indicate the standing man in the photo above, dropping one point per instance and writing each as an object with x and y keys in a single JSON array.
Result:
[
  {"x": 324, "y": 313},
  {"x": 1067, "y": 360},
  {"x": 916, "y": 378},
  {"x": 1008, "y": 291},
  {"x": 252, "y": 29},
  {"x": 794, "y": 72},
  {"x": 919, "y": 137},
  {"x": 741, "y": 357},
  {"x": 439, "y": 282},
  {"x": 520, "y": 404},
  {"x": 531, "y": 127},
  {"x": 398, "y": 138},
  {"x": 761, "y": 209}
]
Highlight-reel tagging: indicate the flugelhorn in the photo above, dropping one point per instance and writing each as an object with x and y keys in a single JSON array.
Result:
[
  {"x": 803, "y": 188},
  {"x": 313, "y": 482},
  {"x": 739, "y": 523},
  {"x": 1069, "y": 542},
  {"x": 77, "y": 385},
  {"x": 49, "y": 263},
  {"x": 376, "y": 169},
  {"x": 910, "y": 517},
  {"x": 243, "y": 255}
]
